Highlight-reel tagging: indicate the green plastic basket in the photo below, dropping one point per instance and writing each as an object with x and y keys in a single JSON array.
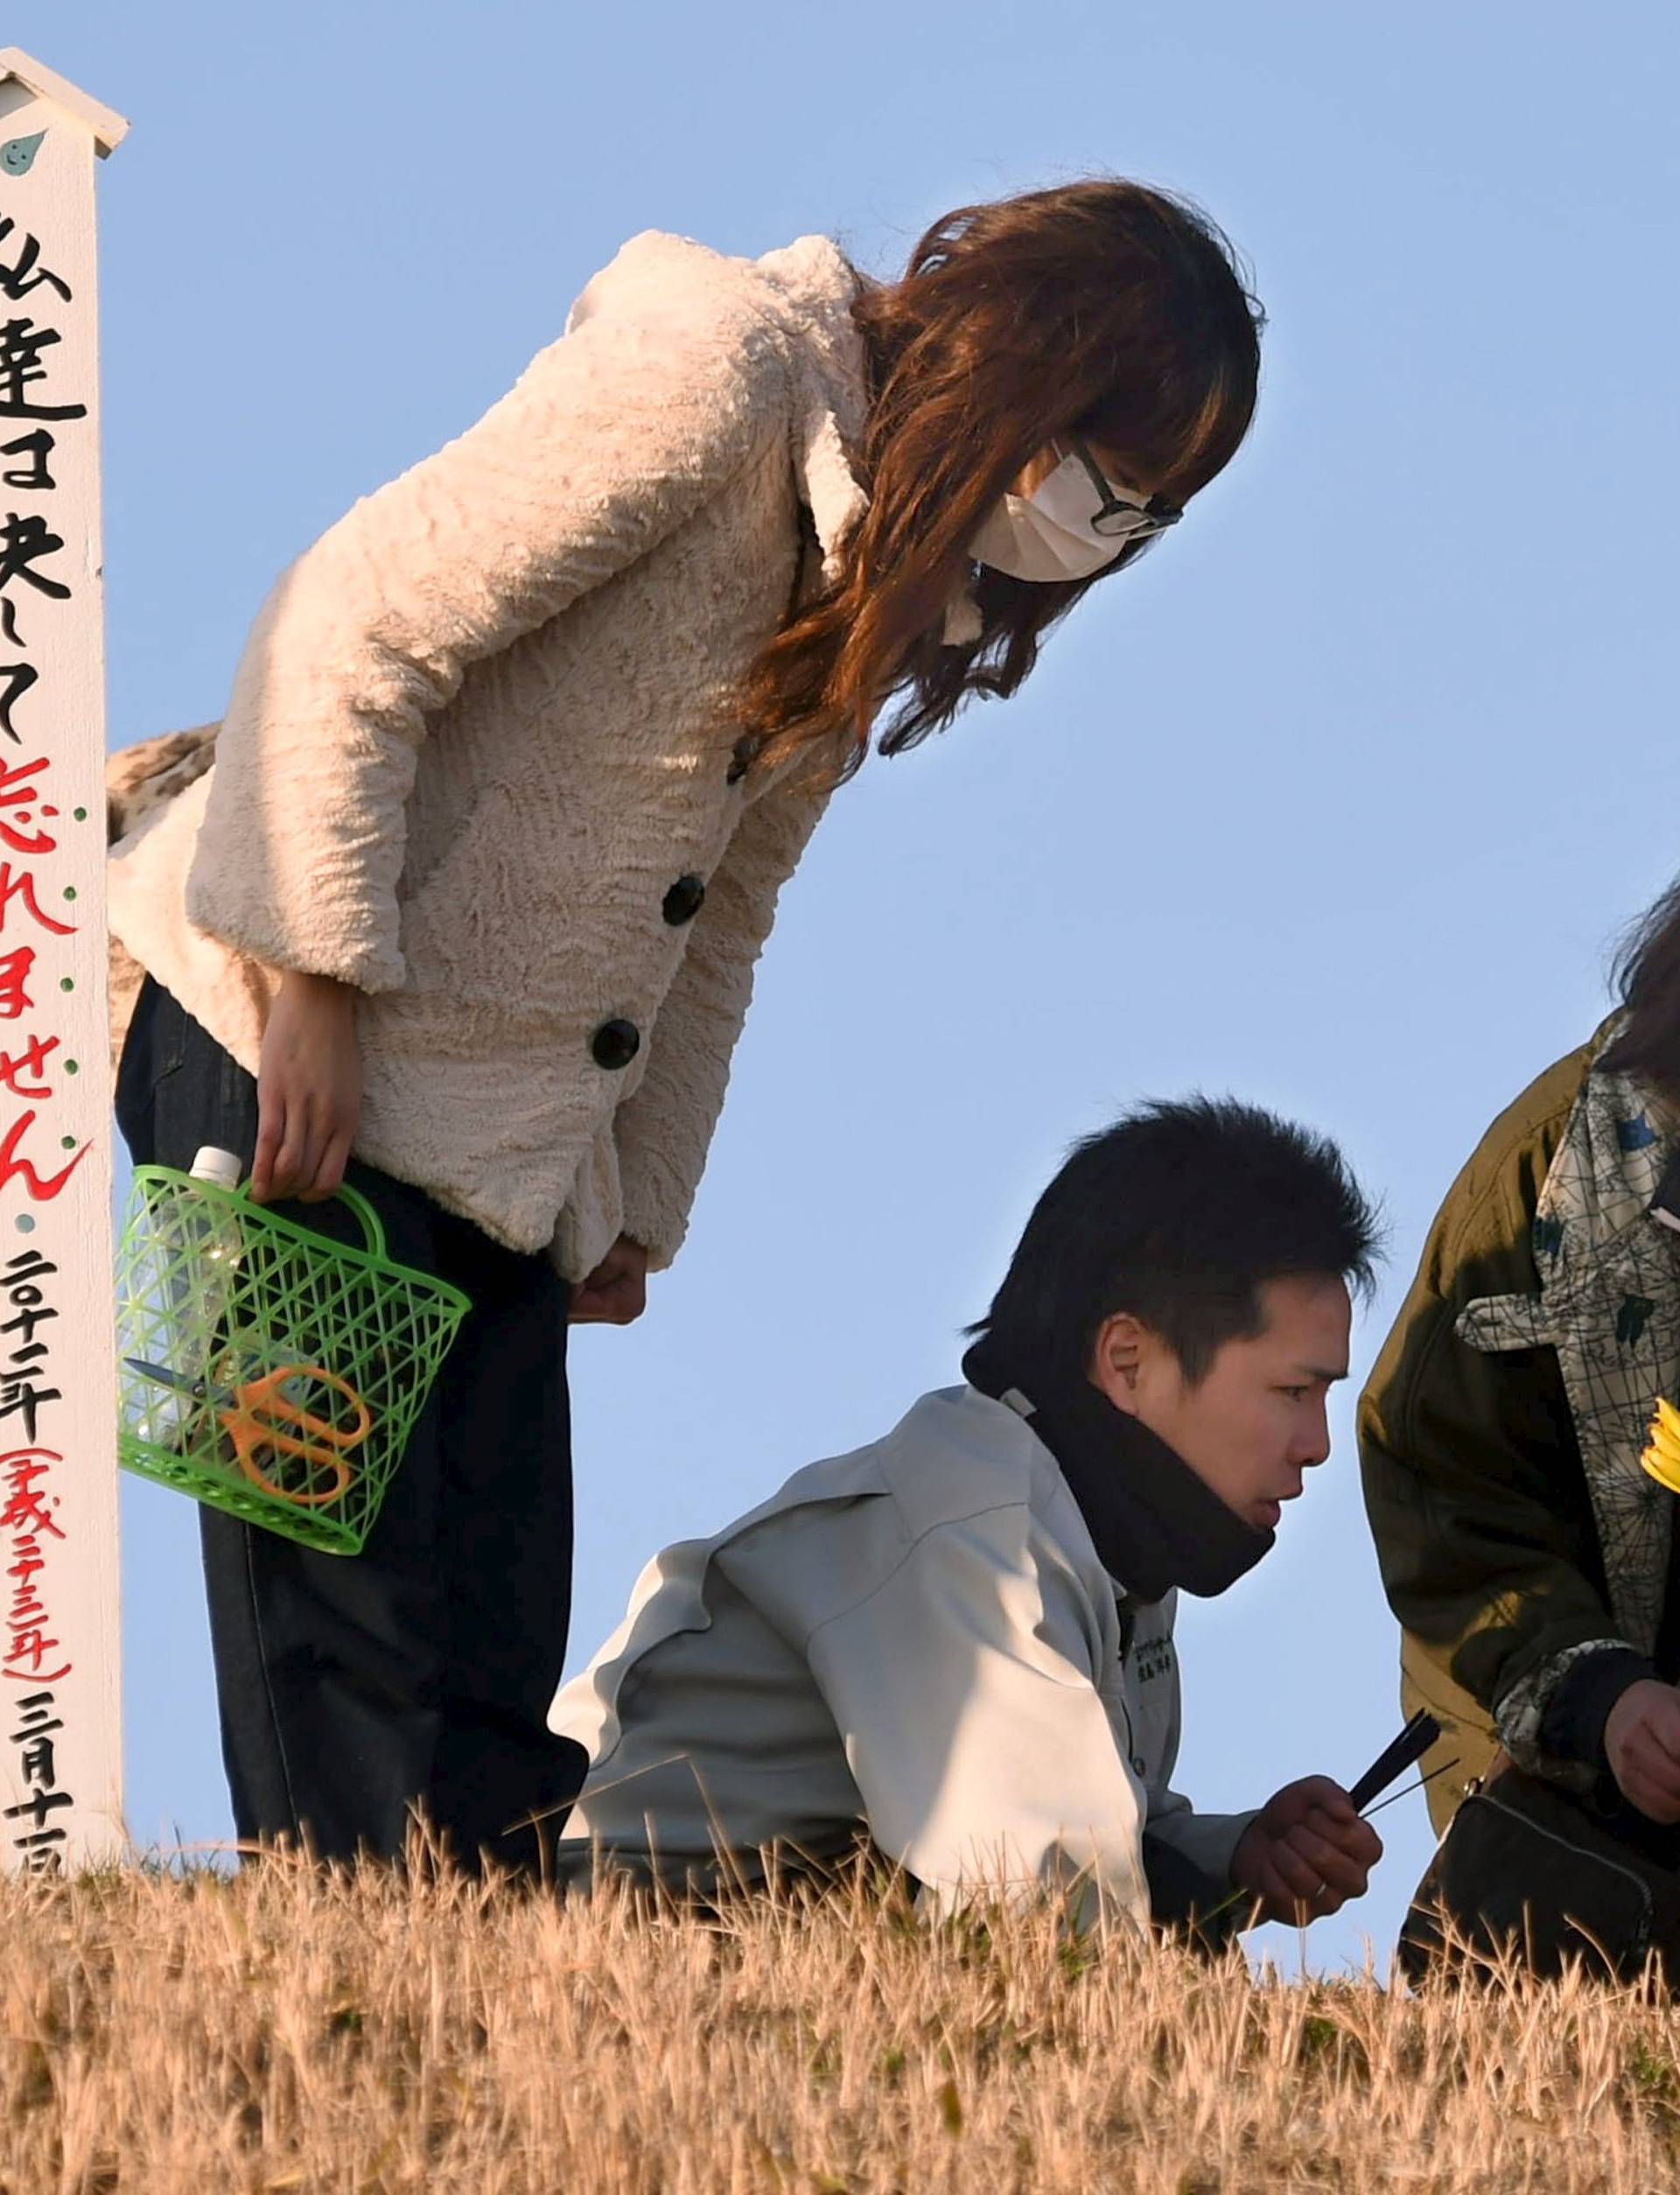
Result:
[{"x": 267, "y": 1370}]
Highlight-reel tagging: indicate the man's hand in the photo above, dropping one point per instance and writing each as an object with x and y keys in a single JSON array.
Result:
[
  {"x": 616, "y": 1293},
  {"x": 1305, "y": 1853},
  {"x": 308, "y": 1090},
  {"x": 1641, "y": 1741}
]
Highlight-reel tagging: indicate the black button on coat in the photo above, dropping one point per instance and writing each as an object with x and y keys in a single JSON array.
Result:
[
  {"x": 615, "y": 1044},
  {"x": 684, "y": 900}
]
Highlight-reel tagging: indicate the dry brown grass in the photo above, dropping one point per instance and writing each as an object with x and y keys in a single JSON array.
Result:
[{"x": 286, "y": 2031}]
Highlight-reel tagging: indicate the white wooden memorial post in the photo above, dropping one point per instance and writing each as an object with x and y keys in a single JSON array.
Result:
[{"x": 61, "y": 1700}]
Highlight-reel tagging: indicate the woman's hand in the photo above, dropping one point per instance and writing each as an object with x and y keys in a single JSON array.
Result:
[
  {"x": 1306, "y": 1852},
  {"x": 308, "y": 1090},
  {"x": 616, "y": 1293},
  {"x": 1642, "y": 1742}
]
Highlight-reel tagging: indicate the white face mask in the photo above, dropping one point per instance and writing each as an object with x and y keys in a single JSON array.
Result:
[{"x": 1049, "y": 534}]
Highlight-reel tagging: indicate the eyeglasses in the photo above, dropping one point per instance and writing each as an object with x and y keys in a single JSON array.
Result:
[{"x": 1122, "y": 517}]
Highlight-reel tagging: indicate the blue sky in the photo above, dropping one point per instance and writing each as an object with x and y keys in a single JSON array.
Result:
[{"x": 1337, "y": 803}]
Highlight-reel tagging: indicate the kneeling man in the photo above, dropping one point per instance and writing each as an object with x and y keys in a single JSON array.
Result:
[{"x": 958, "y": 1643}]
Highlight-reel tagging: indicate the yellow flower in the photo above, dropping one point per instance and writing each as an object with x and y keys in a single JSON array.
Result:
[{"x": 1662, "y": 1458}]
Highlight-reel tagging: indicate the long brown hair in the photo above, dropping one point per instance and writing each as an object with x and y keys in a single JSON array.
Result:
[{"x": 1102, "y": 309}]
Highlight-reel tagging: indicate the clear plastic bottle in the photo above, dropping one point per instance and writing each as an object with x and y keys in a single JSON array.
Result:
[{"x": 185, "y": 1294}]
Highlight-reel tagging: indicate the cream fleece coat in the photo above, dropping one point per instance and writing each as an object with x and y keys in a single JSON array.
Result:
[{"x": 481, "y": 730}]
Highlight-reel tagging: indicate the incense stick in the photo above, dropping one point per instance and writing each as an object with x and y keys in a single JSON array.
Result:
[
  {"x": 1420, "y": 1733},
  {"x": 1225, "y": 1904},
  {"x": 1410, "y": 1788}
]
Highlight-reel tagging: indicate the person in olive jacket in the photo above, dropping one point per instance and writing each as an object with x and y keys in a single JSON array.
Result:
[{"x": 1529, "y": 1556}]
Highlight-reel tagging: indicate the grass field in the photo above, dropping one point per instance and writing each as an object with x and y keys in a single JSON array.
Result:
[{"x": 284, "y": 2030}]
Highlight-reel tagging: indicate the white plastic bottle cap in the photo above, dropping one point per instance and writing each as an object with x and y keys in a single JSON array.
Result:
[{"x": 223, "y": 1168}]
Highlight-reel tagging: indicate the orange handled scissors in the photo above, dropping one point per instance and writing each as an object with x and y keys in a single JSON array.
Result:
[{"x": 260, "y": 1414}]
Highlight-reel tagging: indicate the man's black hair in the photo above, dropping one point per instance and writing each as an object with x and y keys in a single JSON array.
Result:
[{"x": 1178, "y": 1214}]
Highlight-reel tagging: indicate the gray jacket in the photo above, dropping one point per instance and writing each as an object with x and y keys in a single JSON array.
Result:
[{"x": 917, "y": 1640}]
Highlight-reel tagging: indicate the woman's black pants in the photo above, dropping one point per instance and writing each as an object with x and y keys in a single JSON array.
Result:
[{"x": 357, "y": 1691}]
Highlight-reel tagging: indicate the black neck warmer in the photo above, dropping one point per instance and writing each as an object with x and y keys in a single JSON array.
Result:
[{"x": 1153, "y": 1523}]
